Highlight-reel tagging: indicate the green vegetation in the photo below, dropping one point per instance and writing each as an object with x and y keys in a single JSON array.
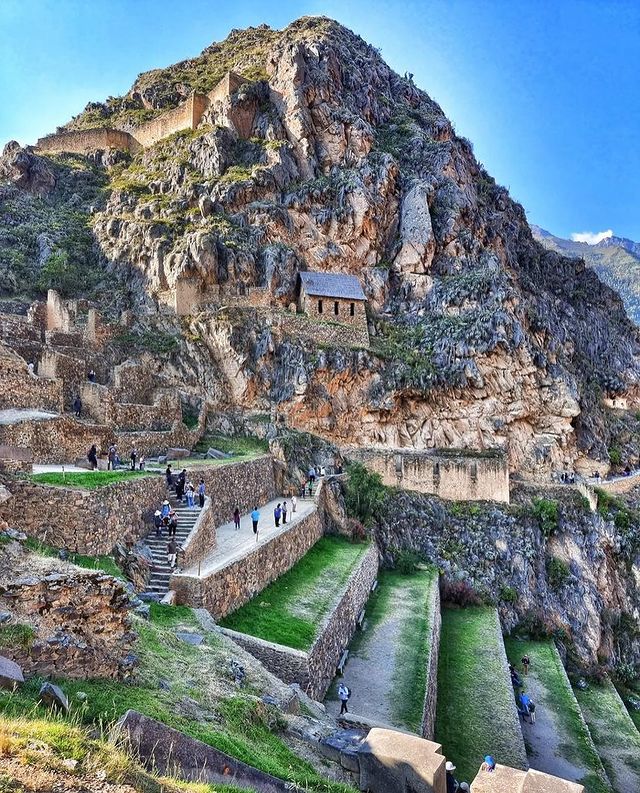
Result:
[
  {"x": 508, "y": 594},
  {"x": 558, "y": 572},
  {"x": 615, "y": 455},
  {"x": 104, "y": 563},
  {"x": 476, "y": 713},
  {"x": 613, "y": 732},
  {"x": 237, "y": 445},
  {"x": 154, "y": 341},
  {"x": 574, "y": 741},
  {"x": 290, "y": 610},
  {"x": 365, "y": 493},
  {"x": 546, "y": 512},
  {"x": 242, "y": 726},
  {"x": 16, "y": 635},
  {"x": 87, "y": 481}
]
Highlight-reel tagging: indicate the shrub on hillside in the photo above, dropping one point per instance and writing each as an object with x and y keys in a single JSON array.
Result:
[
  {"x": 406, "y": 562},
  {"x": 557, "y": 572},
  {"x": 357, "y": 532},
  {"x": 365, "y": 494},
  {"x": 459, "y": 593},
  {"x": 545, "y": 511}
]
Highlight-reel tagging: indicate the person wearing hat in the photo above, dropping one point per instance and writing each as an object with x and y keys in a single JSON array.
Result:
[
  {"x": 452, "y": 784},
  {"x": 173, "y": 523},
  {"x": 166, "y": 509},
  {"x": 157, "y": 521}
]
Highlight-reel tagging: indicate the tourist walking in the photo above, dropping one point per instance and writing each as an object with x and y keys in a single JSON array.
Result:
[
  {"x": 133, "y": 457},
  {"x": 312, "y": 475},
  {"x": 181, "y": 483},
  {"x": 91, "y": 376},
  {"x": 236, "y": 518},
  {"x": 294, "y": 503},
  {"x": 526, "y": 661},
  {"x": 255, "y": 517},
  {"x": 284, "y": 512},
  {"x": 77, "y": 407},
  {"x": 173, "y": 523},
  {"x": 201, "y": 489},
  {"x": 343, "y": 695},
  {"x": 169, "y": 476},
  {"x": 191, "y": 494},
  {"x": 172, "y": 552},
  {"x": 166, "y": 508},
  {"x": 111, "y": 458},
  {"x": 141, "y": 463},
  {"x": 277, "y": 514},
  {"x": 157, "y": 522},
  {"x": 489, "y": 764},
  {"x": 92, "y": 456}
]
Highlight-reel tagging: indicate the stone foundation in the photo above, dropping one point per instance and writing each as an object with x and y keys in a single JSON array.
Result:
[
  {"x": 80, "y": 621},
  {"x": 201, "y": 539},
  {"x": 449, "y": 474},
  {"x": 314, "y": 670},
  {"x": 57, "y": 440}
]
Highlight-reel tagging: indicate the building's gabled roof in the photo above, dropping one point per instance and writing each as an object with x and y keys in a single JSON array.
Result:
[{"x": 339, "y": 285}]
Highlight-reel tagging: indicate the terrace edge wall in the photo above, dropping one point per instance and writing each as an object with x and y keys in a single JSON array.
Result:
[
  {"x": 428, "y": 726},
  {"x": 314, "y": 670}
]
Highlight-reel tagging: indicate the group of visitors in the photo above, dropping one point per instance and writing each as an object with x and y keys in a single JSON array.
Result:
[
  {"x": 526, "y": 706},
  {"x": 186, "y": 491},
  {"x": 166, "y": 518},
  {"x": 453, "y": 786},
  {"x": 137, "y": 461}
]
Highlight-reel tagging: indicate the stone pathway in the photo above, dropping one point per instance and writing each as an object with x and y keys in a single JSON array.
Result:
[
  {"x": 233, "y": 545},
  {"x": 53, "y": 468},
  {"x": 17, "y": 415}
]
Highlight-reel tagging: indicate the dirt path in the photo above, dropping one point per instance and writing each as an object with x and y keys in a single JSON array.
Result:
[
  {"x": 371, "y": 666},
  {"x": 544, "y": 739}
]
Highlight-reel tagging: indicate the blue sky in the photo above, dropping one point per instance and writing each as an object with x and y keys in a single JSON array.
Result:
[{"x": 547, "y": 91}]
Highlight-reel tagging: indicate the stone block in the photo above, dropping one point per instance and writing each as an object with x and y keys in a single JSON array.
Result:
[
  {"x": 395, "y": 761},
  {"x": 194, "y": 639},
  {"x": 10, "y": 674},
  {"x": 177, "y": 454},
  {"x": 54, "y": 697}
]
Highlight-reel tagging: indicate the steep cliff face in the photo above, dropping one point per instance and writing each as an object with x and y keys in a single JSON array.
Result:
[{"x": 479, "y": 336}]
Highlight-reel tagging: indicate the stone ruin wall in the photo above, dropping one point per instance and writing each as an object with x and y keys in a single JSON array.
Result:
[
  {"x": 185, "y": 116},
  {"x": 450, "y": 476},
  {"x": 225, "y": 590},
  {"x": 161, "y": 416},
  {"x": 202, "y": 538},
  {"x": 83, "y": 141},
  {"x": 56, "y": 440},
  {"x": 19, "y": 389},
  {"x": 80, "y": 619},
  {"x": 314, "y": 670},
  {"x": 71, "y": 369}
]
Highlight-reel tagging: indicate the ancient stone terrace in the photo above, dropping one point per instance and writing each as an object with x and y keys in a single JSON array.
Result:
[{"x": 216, "y": 107}]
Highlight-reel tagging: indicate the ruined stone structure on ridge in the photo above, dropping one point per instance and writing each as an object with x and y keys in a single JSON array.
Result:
[{"x": 217, "y": 104}]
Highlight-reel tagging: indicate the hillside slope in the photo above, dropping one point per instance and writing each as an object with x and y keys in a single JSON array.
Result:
[
  {"x": 615, "y": 260},
  {"x": 480, "y": 336}
]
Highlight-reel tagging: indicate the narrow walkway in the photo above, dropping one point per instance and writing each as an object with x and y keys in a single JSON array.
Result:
[
  {"x": 17, "y": 415},
  {"x": 233, "y": 544},
  {"x": 384, "y": 673}
]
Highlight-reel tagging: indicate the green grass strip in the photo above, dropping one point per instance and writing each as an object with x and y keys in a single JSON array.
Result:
[
  {"x": 290, "y": 610},
  {"x": 104, "y": 563},
  {"x": 576, "y": 745},
  {"x": 89, "y": 480},
  {"x": 475, "y": 713},
  {"x": 614, "y": 733}
]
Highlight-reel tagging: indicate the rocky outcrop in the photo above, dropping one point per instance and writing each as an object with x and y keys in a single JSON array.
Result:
[{"x": 26, "y": 170}]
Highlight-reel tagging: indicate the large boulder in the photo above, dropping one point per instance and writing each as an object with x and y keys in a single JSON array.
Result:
[
  {"x": 26, "y": 170},
  {"x": 177, "y": 454},
  {"x": 10, "y": 674}
]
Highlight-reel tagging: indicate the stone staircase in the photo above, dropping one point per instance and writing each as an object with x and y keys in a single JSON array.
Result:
[{"x": 161, "y": 572}]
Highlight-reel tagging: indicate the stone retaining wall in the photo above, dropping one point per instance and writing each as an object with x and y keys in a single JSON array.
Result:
[
  {"x": 201, "y": 539},
  {"x": 314, "y": 670},
  {"x": 72, "y": 369},
  {"x": 621, "y": 484},
  {"x": 428, "y": 726},
  {"x": 84, "y": 521},
  {"x": 19, "y": 389},
  {"x": 319, "y": 332},
  {"x": 56, "y": 440},
  {"x": 224, "y": 590},
  {"x": 82, "y": 141},
  {"x": 80, "y": 620},
  {"x": 451, "y": 474}
]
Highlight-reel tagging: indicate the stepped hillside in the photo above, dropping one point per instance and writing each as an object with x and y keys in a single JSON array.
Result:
[
  {"x": 616, "y": 260},
  {"x": 480, "y": 337}
]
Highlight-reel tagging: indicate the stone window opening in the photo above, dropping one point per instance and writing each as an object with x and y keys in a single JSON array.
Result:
[
  {"x": 336, "y": 308},
  {"x": 352, "y": 309},
  {"x": 319, "y": 306}
]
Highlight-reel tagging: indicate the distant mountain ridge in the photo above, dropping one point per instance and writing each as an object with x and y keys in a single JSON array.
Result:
[{"x": 615, "y": 259}]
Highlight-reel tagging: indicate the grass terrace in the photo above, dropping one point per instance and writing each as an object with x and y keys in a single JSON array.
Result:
[
  {"x": 614, "y": 734},
  {"x": 104, "y": 563},
  {"x": 476, "y": 713},
  {"x": 89, "y": 480},
  {"x": 568, "y": 740},
  {"x": 197, "y": 696},
  {"x": 290, "y": 610}
]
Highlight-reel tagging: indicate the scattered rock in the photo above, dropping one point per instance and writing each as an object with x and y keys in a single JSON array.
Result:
[
  {"x": 10, "y": 674},
  {"x": 190, "y": 638},
  {"x": 5, "y": 616},
  {"x": 164, "y": 685},
  {"x": 216, "y": 454},
  {"x": 81, "y": 696},
  {"x": 143, "y": 610},
  {"x": 54, "y": 697},
  {"x": 69, "y": 764},
  {"x": 177, "y": 454},
  {"x": 633, "y": 702},
  {"x": 238, "y": 672},
  {"x": 14, "y": 534}
]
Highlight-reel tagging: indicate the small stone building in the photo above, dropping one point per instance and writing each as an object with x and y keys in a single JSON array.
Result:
[{"x": 332, "y": 297}]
